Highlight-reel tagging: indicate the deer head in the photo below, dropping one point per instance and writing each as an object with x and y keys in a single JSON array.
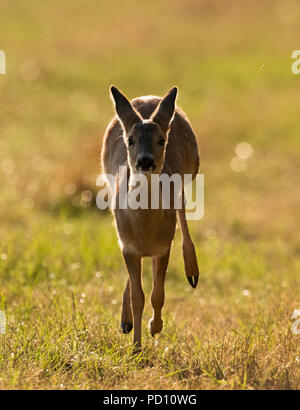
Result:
[{"x": 145, "y": 139}]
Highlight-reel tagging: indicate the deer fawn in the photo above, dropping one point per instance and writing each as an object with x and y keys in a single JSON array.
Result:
[{"x": 149, "y": 135}]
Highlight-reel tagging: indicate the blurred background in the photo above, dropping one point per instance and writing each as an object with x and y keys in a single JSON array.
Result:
[
  {"x": 231, "y": 62},
  {"x": 59, "y": 254}
]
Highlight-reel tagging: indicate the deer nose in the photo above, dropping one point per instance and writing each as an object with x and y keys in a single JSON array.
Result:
[{"x": 145, "y": 163}]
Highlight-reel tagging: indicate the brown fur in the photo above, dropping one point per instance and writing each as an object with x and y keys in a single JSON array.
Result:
[{"x": 147, "y": 232}]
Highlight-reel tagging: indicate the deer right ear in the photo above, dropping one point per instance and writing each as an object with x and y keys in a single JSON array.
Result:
[
  {"x": 125, "y": 111},
  {"x": 165, "y": 110}
]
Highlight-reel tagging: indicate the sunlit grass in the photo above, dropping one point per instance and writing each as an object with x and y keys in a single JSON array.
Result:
[{"x": 61, "y": 272}]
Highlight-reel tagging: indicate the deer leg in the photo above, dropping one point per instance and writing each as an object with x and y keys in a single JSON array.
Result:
[
  {"x": 126, "y": 316},
  {"x": 188, "y": 250},
  {"x": 137, "y": 298},
  {"x": 160, "y": 264}
]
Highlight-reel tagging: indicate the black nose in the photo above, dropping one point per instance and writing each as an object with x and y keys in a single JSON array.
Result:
[{"x": 145, "y": 163}]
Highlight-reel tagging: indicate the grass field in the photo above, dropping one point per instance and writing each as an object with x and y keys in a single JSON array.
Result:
[{"x": 61, "y": 272}]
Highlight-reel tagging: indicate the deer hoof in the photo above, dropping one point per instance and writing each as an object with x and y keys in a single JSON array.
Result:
[
  {"x": 126, "y": 327},
  {"x": 137, "y": 349},
  {"x": 190, "y": 264},
  {"x": 155, "y": 326},
  {"x": 193, "y": 280}
]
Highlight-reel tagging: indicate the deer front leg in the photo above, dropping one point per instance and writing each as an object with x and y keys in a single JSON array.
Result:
[
  {"x": 188, "y": 250},
  {"x": 126, "y": 316},
  {"x": 160, "y": 264},
  {"x": 137, "y": 298}
]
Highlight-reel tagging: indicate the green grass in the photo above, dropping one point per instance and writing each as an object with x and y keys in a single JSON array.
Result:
[
  {"x": 63, "y": 281},
  {"x": 61, "y": 272}
]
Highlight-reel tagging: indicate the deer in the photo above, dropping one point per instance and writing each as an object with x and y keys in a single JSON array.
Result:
[{"x": 149, "y": 135}]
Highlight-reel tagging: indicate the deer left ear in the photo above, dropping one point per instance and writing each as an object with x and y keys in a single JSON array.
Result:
[{"x": 165, "y": 110}]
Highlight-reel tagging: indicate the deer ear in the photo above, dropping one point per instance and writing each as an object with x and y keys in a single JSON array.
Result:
[
  {"x": 165, "y": 110},
  {"x": 125, "y": 111}
]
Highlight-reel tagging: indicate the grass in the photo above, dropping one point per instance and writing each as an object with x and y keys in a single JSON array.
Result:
[{"x": 61, "y": 272}]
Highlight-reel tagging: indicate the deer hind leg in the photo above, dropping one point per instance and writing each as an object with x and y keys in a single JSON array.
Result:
[
  {"x": 188, "y": 250},
  {"x": 126, "y": 316},
  {"x": 160, "y": 264},
  {"x": 137, "y": 297}
]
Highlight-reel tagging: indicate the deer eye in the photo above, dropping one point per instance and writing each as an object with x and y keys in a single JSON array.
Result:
[
  {"x": 130, "y": 141},
  {"x": 161, "y": 141}
]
